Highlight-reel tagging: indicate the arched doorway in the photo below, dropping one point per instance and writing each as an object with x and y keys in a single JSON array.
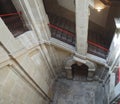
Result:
[
  {"x": 90, "y": 67},
  {"x": 80, "y": 72}
]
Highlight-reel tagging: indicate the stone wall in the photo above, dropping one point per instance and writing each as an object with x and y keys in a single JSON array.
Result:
[
  {"x": 113, "y": 61},
  {"x": 114, "y": 50},
  {"x": 28, "y": 67},
  {"x": 14, "y": 89},
  {"x": 26, "y": 70},
  {"x": 62, "y": 56}
]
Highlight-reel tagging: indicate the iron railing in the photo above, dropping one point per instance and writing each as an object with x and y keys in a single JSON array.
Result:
[
  {"x": 70, "y": 38},
  {"x": 14, "y": 23}
]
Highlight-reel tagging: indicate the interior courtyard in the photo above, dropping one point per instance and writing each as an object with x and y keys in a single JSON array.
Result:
[{"x": 59, "y": 51}]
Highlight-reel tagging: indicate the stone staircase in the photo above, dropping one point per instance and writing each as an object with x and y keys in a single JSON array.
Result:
[
  {"x": 65, "y": 24},
  {"x": 14, "y": 22},
  {"x": 15, "y": 25},
  {"x": 64, "y": 30}
]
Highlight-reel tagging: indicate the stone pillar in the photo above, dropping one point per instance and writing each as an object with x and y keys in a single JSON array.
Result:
[
  {"x": 82, "y": 17},
  {"x": 112, "y": 82},
  {"x": 34, "y": 12},
  {"x": 69, "y": 72},
  {"x": 90, "y": 75}
]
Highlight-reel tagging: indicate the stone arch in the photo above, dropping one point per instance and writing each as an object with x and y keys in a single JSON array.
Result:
[
  {"x": 91, "y": 65},
  {"x": 91, "y": 69},
  {"x": 72, "y": 60},
  {"x": 69, "y": 62}
]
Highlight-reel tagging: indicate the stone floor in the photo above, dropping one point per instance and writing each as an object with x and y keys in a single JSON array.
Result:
[{"x": 74, "y": 92}]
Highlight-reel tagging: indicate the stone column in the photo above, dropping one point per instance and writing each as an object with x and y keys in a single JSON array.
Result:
[
  {"x": 69, "y": 72},
  {"x": 90, "y": 75},
  {"x": 112, "y": 82},
  {"x": 34, "y": 12},
  {"x": 82, "y": 17},
  {"x": 91, "y": 69}
]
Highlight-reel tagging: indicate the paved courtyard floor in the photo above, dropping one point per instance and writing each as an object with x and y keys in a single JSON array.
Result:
[{"x": 74, "y": 92}]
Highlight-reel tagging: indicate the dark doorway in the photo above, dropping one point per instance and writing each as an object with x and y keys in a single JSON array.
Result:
[{"x": 80, "y": 72}]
